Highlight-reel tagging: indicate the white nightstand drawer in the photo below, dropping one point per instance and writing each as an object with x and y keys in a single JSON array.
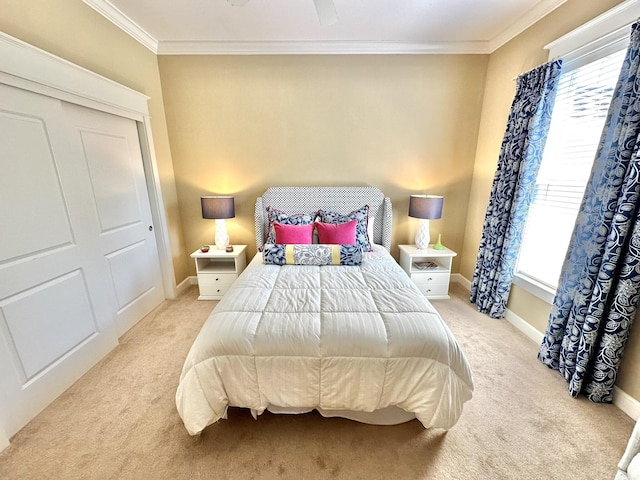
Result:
[
  {"x": 216, "y": 280},
  {"x": 434, "y": 289},
  {"x": 430, "y": 278}
]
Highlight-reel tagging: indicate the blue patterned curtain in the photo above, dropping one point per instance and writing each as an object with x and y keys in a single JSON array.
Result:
[
  {"x": 598, "y": 290},
  {"x": 513, "y": 187}
]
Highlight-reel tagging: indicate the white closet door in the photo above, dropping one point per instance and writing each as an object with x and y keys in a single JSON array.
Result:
[
  {"x": 110, "y": 149},
  {"x": 78, "y": 262},
  {"x": 56, "y": 303}
]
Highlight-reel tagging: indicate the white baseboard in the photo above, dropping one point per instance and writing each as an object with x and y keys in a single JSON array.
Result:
[
  {"x": 626, "y": 403},
  {"x": 4, "y": 441},
  {"x": 458, "y": 278},
  {"x": 524, "y": 326},
  {"x": 186, "y": 284},
  {"x": 621, "y": 399}
]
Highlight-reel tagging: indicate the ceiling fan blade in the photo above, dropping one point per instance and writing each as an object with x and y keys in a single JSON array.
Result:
[{"x": 326, "y": 11}]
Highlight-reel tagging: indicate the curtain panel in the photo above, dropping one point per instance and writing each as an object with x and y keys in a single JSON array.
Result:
[
  {"x": 598, "y": 292},
  {"x": 513, "y": 187}
]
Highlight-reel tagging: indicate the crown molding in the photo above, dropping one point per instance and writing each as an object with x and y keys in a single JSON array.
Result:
[
  {"x": 534, "y": 15},
  {"x": 119, "y": 19},
  {"x": 196, "y": 47},
  {"x": 318, "y": 48}
]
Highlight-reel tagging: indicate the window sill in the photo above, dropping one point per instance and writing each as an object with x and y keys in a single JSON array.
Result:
[{"x": 537, "y": 289}]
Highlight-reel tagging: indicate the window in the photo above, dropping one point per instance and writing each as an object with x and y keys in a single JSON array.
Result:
[
  {"x": 592, "y": 55},
  {"x": 579, "y": 114}
]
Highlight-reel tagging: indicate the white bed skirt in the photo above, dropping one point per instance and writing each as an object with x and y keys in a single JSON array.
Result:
[{"x": 384, "y": 416}]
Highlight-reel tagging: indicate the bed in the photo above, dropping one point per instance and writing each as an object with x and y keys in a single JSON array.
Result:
[{"x": 354, "y": 341}]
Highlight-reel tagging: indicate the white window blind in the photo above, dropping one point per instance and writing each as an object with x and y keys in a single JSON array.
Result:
[{"x": 579, "y": 114}]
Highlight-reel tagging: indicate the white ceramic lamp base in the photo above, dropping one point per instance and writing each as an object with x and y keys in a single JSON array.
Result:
[
  {"x": 422, "y": 236},
  {"x": 222, "y": 237}
]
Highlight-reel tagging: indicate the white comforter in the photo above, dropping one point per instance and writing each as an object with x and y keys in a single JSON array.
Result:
[{"x": 332, "y": 337}]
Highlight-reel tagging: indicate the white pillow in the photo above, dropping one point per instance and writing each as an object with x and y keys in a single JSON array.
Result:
[
  {"x": 633, "y": 470},
  {"x": 370, "y": 228}
]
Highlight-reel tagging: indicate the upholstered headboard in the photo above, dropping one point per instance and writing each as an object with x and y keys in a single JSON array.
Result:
[{"x": 338, "y": 199}]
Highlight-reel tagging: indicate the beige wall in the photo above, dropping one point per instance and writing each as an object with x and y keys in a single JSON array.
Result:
[
  {"x": 75, "y": 32},
  {"x": 404, "y": 124},
  {"x": 516, "y": 57}
]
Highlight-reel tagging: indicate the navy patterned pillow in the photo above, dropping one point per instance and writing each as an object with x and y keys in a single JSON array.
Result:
[
  {"x": 311, "y": 254},
  {"x": 274, "y": 215},
  {"x": 362, "y": 215}
]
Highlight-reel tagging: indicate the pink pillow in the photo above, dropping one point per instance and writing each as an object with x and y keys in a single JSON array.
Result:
[
  {"x": 293, "y": 233},
  {"x": 337, "y": 233}
]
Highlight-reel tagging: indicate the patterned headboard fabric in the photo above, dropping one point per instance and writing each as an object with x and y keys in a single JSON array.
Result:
[{"x": 343, "y": 200}]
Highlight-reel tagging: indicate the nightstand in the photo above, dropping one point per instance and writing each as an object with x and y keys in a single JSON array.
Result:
[
  {"x": 432, "y": 282},
  {"x": 218, "y": 269}
]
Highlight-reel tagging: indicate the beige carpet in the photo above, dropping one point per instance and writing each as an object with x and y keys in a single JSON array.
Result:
[{"x": 119, "y": 421}]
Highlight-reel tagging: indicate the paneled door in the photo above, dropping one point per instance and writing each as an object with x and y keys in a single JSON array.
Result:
[
  {"x": 110, "y": 149},
  {"x": 77, "y": 264}
]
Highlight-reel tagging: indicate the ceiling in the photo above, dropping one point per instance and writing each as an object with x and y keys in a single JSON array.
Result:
[{"x": 173, "y": 27}]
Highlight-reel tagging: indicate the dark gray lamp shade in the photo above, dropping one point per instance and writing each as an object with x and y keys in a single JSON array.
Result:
[
  {"x": 426, "y": 206},
  {"x": 217, "y": 207}
]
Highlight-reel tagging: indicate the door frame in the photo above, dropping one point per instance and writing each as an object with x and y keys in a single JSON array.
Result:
[
  {"x": 30, "y": 68},
  {"x": 24, "y": 66}
]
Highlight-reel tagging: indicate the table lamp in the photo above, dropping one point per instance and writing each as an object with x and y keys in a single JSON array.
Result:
[
  {"x": 219, "y": 208},
  {"x": 425, "y": 207}
]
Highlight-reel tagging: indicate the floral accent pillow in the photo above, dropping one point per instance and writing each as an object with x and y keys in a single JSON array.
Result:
[
  {"x": 311, "y": 254},
  {"x": 361, "y": 215},
  {"x": 274, "y": 215}
]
